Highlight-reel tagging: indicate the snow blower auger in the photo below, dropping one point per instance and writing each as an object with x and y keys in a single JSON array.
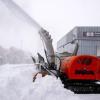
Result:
[{"x": 78, "y": 73}]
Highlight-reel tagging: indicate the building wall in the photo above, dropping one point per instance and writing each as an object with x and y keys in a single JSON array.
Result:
[
  {"x": 88, "y": 40},
  {"x": 91, "y": 47},
  {"x": 65, "y": 39}
]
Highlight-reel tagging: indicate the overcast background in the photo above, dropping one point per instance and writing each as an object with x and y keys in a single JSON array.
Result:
[{"x": 56, "y": 16}]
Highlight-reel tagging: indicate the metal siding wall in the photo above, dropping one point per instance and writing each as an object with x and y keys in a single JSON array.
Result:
[
  {"x": 60, "y": 43},
  {"x": 67, "y": 38},
  {"x": 87, "y": 45}
]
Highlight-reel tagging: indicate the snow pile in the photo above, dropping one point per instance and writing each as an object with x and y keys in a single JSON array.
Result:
[
  {"x": 49, "y": 88},
  {"x": 14, "y": 80},
  {"x": 16, "y": 84}
]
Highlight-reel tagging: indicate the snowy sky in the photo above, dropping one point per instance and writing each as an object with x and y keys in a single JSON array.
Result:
[{"x": 56, "y": 16}]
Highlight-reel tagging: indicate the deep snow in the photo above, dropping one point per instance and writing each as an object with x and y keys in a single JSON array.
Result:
[{"x": 16, "y": 84}]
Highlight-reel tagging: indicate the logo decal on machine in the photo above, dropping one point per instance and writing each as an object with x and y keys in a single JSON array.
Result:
[{"x": 84, "y": 72}]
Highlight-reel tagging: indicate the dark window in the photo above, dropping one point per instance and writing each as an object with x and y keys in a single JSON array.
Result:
[
  {"x": 84, "y": 34},
  {"x": 88, "y": 34}
]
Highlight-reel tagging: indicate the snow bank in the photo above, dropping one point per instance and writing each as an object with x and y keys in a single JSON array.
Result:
[
  {"x": 16, "y": 84},
  {"x": 49, "y": 88},
  {"x": 14, "y": 80}
]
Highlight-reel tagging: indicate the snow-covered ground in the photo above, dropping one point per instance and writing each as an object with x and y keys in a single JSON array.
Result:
[{"x": 16, "y": 84}]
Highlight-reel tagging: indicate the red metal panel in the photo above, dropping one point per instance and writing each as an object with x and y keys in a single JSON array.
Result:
[{"x": 83, "y": 67}]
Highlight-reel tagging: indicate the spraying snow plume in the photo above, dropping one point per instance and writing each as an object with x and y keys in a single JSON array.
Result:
[{"x": 20, "y": 13}]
